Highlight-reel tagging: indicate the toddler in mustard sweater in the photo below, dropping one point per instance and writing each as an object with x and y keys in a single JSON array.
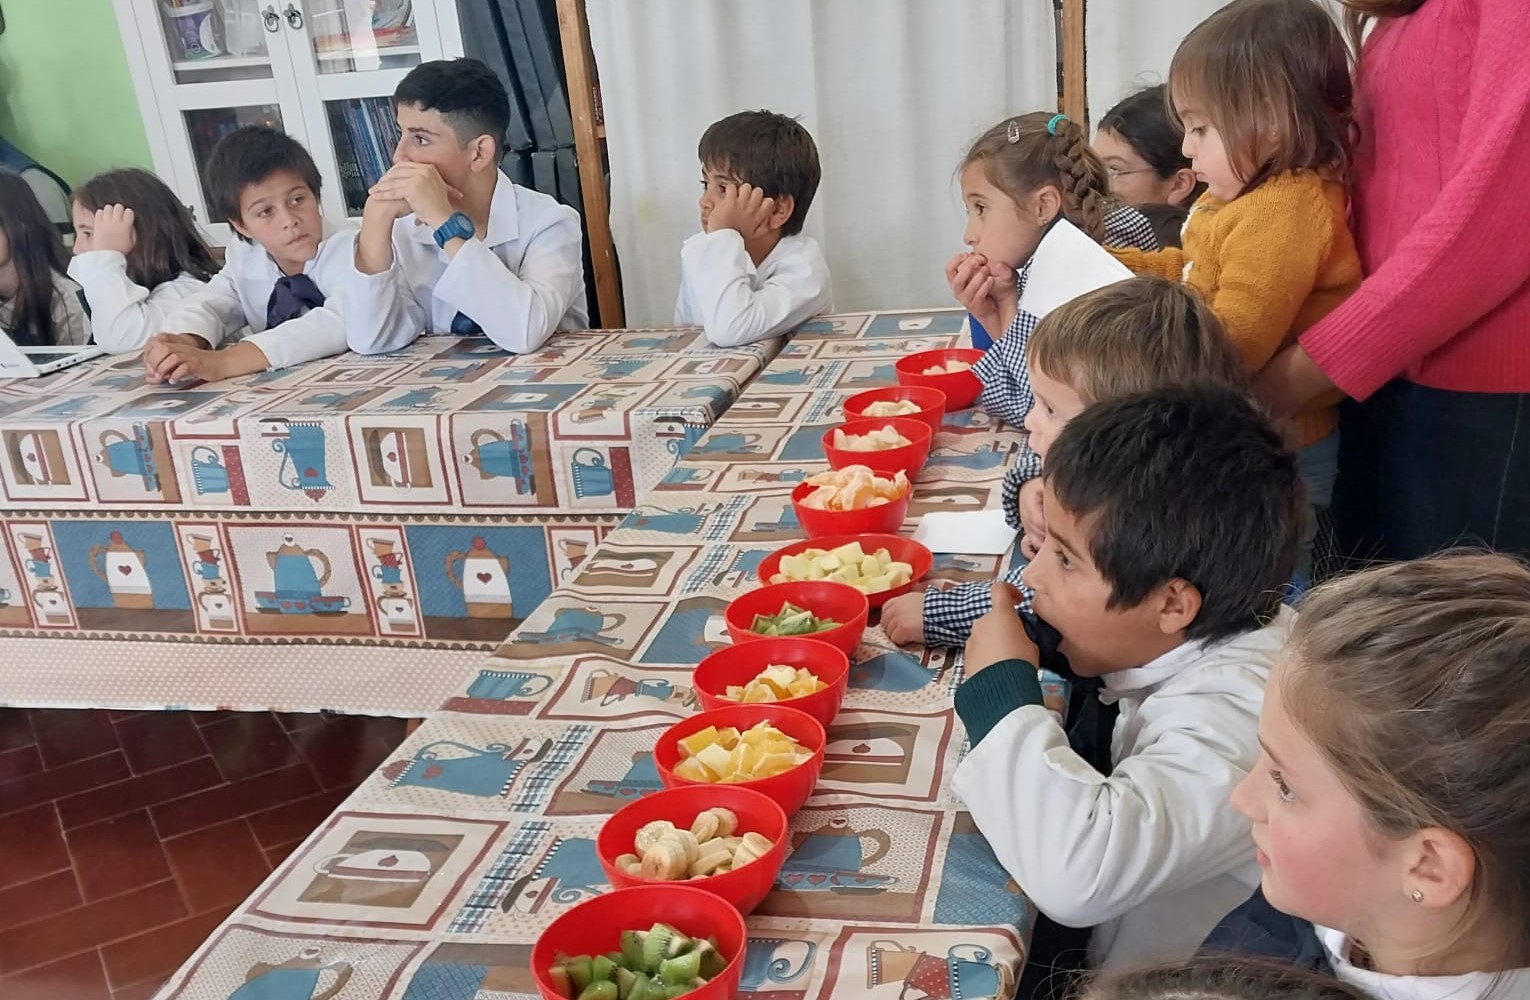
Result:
[{"x": 1262, "y": 91}]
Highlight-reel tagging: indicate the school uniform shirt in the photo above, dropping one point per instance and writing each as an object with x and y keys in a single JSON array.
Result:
[
  {"x": 722, "y": 291},
  {"x": 237, "y": 297},
  {"x": 1151, "y": 855},
  {"x": 123, "y": 313},
  {"x": 71, "y": 320},
  {"x": 1512, "y": 983},
  {"x": 517, "y": 282}
]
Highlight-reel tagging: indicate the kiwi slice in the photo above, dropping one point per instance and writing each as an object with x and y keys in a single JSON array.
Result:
[
  {"x": 603, "y": 967},
  {"x": 681, "y": 968},
  {"x": 655, "y": 947},
  {"x": 712, "y": 961},
  {"x": 559, "y": 977},
  {"x": 656, "y": 990},
  {"x": 582, "y": 971},
  {"x": 632, "y": 949},
  {"x": 603, "y": 989},
  {"x": 678, "y": 945}
]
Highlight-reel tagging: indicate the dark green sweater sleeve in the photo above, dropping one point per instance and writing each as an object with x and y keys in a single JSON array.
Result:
[{"x": 985, "y": 698}]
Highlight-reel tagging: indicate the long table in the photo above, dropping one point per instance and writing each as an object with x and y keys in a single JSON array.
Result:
[
  {"x": 434, "y": 879},
  {"x": 255, "y": 543}
]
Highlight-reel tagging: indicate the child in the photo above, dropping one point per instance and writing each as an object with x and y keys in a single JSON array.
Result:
[
  {"x": 1133, "y": 336},
  {"x": 1172, "y": 521},
  {"x": 448, "y": 243},
  {"x": 39, "y": 305},
  {"x": 750, "y": 273},
  {"x": 280, "y": 278},
  {"x": 1141, "y": 150},
  {"x": 1391, "y": 804},
  {"x": 1263, "y": 91},
  {"x": 1220, "y": 979},
  {"x": 137, "y": 255},
  {"x": 1017, "y": 179}
]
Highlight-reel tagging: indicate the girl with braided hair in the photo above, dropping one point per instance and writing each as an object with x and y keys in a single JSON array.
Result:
[
  {"x": 1017, "y": 180},
  {"x": 1263, "y": 93}
]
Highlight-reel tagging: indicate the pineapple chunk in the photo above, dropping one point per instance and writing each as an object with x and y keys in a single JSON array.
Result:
[{"x": 693, "y": 744}]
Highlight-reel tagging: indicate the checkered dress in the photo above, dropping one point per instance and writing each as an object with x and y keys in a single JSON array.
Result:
[{"x": 1007, "y": 395}]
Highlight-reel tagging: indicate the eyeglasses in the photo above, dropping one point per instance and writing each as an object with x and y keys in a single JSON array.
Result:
[{"x": 1116, "y": 172}]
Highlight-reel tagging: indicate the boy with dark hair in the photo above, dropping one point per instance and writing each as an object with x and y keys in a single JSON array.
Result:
[
  {"x": 751, "y": 274},
  {"x": 448, "y": 243},
  {"x": 281, "y": 278},
  {"x": 1172, "y": 523}
]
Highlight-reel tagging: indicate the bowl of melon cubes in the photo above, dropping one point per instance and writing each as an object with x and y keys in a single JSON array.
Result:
[
  {"x": 879, "y": 566},
  {"x": 771, "y": 749}
]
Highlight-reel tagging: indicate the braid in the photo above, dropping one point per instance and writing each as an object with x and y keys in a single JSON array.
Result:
[{"x": 1082, "y": 183}]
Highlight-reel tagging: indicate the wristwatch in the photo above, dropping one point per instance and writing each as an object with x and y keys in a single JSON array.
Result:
[{"x": 457, "y": 224}]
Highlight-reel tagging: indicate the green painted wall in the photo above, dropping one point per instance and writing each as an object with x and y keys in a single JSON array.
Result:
[{"x": 65, "y": 93}]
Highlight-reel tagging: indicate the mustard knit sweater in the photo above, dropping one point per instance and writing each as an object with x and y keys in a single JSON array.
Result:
[{"x": 1270, "y": 263}]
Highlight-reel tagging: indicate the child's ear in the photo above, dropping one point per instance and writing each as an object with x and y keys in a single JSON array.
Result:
[
  {"x": 1441, "y": 866},
  {"x": 1179, "y": 603},
  {"x": 786, "y": 204},
  {"x": 243, "y": 232},
  {"x": 1046, "y": 204},
  {"x": 1181, "y": 184},
  {"x": 481, "y": 154}
]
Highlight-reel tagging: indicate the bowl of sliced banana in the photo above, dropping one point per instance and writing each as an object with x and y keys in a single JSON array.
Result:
[{"x": 727, "y": 840}]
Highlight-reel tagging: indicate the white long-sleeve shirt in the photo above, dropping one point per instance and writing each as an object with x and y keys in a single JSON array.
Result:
[
  {"x": 237, "y": 296},
  {"x": 124, "y": 313},
  {"x": 737, "y": 303},
  {"x": 519, "y": 281},
  {"x": 1154, "y": 855},
  {"x": 1511, "y": 984}
]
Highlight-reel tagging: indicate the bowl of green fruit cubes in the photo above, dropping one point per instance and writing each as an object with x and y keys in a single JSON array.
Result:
[
  {"x": 652, "y": 942},
  {"x": 830, "y": 612}
]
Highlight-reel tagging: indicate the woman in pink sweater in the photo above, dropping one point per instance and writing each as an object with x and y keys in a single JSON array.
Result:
[{"x": 1435, "y": 344}]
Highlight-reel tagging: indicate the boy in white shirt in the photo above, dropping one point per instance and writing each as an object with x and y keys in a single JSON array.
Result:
[
  {"x": 750, "y": 273},
  {"x": 279, "y": 278},
  {"x": 1172, "y": 524},
  {"x": 448, "y": 243}
]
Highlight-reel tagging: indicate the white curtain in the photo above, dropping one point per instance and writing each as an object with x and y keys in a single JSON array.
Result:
[
  {"x": 892, "y": 91},
  {"x": 1130, "y": 44}
]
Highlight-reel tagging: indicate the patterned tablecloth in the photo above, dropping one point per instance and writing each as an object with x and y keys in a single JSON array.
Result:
[
  {"x": 480, "y": 830},
  {"x": 249, "y": 544}
]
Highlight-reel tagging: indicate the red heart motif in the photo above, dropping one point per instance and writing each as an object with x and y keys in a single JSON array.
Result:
[
  {"x": 310, "y": 473},
  {"x": 393, "y": 456},
  {"x": 817, "y": 879},
  {"x": 484, "y": 577},
  {"x": 388, "y": 862},
  {"x": 433, "y": 771},
  {"x": 860, "y": 748},
  {"x": 31, "y": 456},
  {"x": 125, "y": 570}
]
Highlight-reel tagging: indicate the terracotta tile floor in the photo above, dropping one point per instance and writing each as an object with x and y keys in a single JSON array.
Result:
[{"x": 126, "y": 837}]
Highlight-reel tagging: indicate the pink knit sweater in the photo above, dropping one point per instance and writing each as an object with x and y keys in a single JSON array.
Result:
[{"x": 1442, "y": 206}]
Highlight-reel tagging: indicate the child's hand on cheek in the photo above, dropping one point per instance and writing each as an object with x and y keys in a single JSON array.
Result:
[
  {"x": 1033, "y": 519},
  {"x": 113, "y": 229},
  {"x": 999, "y": 635},
  {"x": 744, "y": 209},
  {"x": 420, "y": 186}
]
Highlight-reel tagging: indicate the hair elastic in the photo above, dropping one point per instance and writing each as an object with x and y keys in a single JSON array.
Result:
[{"x": 1054, "y": 122}]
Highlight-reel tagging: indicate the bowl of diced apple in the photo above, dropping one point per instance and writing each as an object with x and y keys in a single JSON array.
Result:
[
  {"x": 883, "y": 444},
  {"x": 772, "y": 749},
  {"x": 948, "y": 370},
  {"x": 879, "y": 566},
  {"x": 799, "y": 672},
  {"x": 915, "y": 402}
]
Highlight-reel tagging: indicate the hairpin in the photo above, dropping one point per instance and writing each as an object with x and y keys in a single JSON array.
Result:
[
  {"x": 1052, "y": 125},
  {"x": 1012, "y": 133}
]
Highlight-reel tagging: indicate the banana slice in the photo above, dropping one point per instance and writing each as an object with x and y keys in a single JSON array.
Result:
[
  {"x": 727, "y": 820},
  {"x": 688, "y": 844},
  {"x": 630, "y": 863},
  {"x": 758, "y": 843},
  {"x": 713, "y": 856},
  {"x": 665, "y": 860},
  {"x": 705, "y": 826}
]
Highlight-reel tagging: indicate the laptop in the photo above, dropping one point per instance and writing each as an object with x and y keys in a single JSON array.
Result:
[{"x": 31, "y": 362}]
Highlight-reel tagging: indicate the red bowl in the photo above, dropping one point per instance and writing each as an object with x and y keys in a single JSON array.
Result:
[
  {"x": 900, "y": 548},
  {"x": 742, "y": 664},
  {"x": 908, "y": 459},
  {"x": 789, "y": 789},
  {"x": 595, "y": 926},
  {"x": 838, "y": 602},
  {"x": 931, "y": 403},
  {"x": 743, "y": 887},
  {"x": 887, "y": 517},
  {"x": 961, "y": 388}
]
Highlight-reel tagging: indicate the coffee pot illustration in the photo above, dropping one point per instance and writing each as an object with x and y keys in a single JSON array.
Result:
[
  {"x": 398, "y": 611},
  {"x": 295, "y": 979},
  {"x": 51, "y": 604},
  {"x": 129, "y": 456},
  {"x": 297, "y": 584},
  {"x": 484, "y": 580},
  {"x": 498, "y": 457},
  {"x": 832, "y": 859},
  {"x": 124, "y": 570},
  {"x": 217, "y": 605},
  {"x": 572, "y": 624}
]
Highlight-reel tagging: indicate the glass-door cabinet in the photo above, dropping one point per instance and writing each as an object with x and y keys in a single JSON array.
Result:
[{"x": 320, "y": 70}]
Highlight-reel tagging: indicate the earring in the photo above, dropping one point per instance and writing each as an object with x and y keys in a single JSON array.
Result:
[{"x": 1418, "y": 895}]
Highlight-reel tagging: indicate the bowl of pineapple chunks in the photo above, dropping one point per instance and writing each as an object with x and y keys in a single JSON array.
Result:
[
  {"x": 879, "y": 566},
  {"x": 916, "y": 402},
  {"x": 830, "y": 612},
  {"x": 649, "y": 942},
  {"x": 773, "y": 749},
  {"x": 948, "y": 370},
  {"x": 851, "y": 500},
  {"x": 883, "y": 444},
  {"x": 800, "y": 672}
]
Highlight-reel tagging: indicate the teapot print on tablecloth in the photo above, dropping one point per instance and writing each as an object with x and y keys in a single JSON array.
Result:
[
  {"x": 297, "y": 587},
  {"x": 295, "y": 979},
  {"x": 484, "y": 580}
]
